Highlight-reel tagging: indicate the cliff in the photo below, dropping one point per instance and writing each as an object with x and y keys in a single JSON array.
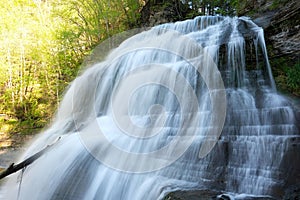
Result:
[
  {"x": 279, "y": 18},
  {"x": 157, "y": 12},
  {"x": 281, "y": 22}
]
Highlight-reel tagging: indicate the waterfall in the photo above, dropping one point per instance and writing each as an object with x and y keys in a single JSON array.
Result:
[{"x": 190, "y": 105}]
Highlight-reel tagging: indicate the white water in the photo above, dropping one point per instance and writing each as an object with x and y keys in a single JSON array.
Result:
[{"x": 157, "y": 67}]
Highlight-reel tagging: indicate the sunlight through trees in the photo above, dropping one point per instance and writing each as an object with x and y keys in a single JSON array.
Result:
[{"x": 42, "y": 44}]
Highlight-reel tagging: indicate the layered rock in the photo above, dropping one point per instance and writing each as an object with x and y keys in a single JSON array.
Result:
[
  {"x": 281, "y": 22},
  {"x": 157, "y": 12}
]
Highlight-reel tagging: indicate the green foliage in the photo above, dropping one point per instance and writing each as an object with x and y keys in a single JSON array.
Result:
[
  {"x": 277, "y": 4},
  {"x": 287, "y": 75},
  {"x": 27, "y": 41},
  {"x": 293, "y": 77},
  {"x": 42, "y": 45}
]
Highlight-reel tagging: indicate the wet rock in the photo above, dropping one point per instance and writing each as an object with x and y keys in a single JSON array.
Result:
[{"x": 192, "y": 195}]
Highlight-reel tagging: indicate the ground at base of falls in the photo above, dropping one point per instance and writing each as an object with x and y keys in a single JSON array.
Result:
[
  {"x": 215, "y": 195},
  {"x": 10, "y": 148}
]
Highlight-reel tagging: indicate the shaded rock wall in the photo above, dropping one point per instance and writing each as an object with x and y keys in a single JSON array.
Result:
[
  {"x": 279, "y": 18},
  {"x": 157, "y": 12},
  {"x": 281, "y": 22}
]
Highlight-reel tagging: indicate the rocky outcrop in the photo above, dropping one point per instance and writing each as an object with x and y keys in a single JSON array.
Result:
[
  {"x": 281, "y": 23},
  {"x": 285, "y": 30},
  {"x": 279, "y": 18},
  {"x": 157, "y": 12}
]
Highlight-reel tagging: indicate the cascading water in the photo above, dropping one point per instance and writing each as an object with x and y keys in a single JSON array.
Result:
[{"x": 146, "y": 121}]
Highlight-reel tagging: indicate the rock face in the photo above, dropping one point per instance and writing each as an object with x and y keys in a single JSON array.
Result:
[
  {"x": 285, "y": 27},
  {"x": 279, "y": 18},
  {"x": 157, "y": 12},
  {"x": 281, "y": 22}
]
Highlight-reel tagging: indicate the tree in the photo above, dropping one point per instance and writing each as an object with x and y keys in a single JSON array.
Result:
[
  {"x": 42, "y": 45},
  {"x": 213, "y": 7}
]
